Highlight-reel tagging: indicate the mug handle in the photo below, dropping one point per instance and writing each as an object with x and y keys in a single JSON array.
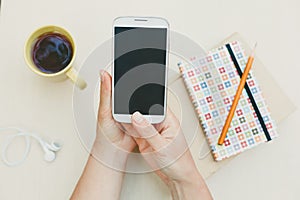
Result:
[{"x": 79, "y": 82}]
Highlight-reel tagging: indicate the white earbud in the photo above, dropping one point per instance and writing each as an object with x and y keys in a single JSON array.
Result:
[
  {"x": 49, "y": 155},
  {"x": 49, "y": 149},
  {"x": 54, "y": 146}
]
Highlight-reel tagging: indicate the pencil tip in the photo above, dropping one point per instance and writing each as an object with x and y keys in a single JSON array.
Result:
[
  {"x": 255, "y": 45},
  {"x": 253, "y": 50}
]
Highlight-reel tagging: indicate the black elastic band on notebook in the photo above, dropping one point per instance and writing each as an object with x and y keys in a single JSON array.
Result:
[{"x": 262, "y": 123}]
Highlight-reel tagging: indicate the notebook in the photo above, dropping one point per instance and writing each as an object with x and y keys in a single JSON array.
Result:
[{"x": 211, "y": 82}]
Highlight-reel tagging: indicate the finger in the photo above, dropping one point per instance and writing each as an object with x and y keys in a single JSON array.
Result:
[
  {"x": 120, "y": 126},
  {"x": 130, "y": 130},
  {"x": 147, "y": 131},
  {"x": 105, "y": 95},
  {"x": 143, "y": 145},
  {"x": 169, "y": 121},
  {"x": 170, "y": 117},
  {"x": 129, "y": 141}
]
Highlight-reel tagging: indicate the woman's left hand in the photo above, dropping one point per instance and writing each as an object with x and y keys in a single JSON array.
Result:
[{"x": 110, "y": 139}]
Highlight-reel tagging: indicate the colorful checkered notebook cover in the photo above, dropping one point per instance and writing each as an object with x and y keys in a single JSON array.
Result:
[{"x": 212, "y": 82}]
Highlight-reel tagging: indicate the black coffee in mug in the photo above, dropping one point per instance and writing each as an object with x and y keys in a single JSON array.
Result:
[{"x": 52, "y": 52}]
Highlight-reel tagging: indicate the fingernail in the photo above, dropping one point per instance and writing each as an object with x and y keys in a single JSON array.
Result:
[
  {"x": 102, "y": 75},
  {"x": 138, "y": 117}
]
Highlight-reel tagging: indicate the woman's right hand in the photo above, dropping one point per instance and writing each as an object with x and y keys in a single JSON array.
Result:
[{"x": 165, "y": 149}]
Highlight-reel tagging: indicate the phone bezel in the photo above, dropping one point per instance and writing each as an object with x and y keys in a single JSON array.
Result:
[{"x": 145, "y": 22}]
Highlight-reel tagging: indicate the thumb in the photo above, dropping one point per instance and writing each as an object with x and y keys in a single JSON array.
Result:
[
  {"x": 105, "y": 96},
  {"x": 147, "y": 131}
]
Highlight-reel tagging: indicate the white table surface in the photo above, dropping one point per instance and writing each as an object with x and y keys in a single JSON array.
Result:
[{"x": 29, "y": 101}]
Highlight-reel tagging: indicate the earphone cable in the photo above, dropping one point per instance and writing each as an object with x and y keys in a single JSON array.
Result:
[{"x": 8, "y": 142}]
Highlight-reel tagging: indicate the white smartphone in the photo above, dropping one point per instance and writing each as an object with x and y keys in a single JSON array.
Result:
[{"x": 139, "y": 71}]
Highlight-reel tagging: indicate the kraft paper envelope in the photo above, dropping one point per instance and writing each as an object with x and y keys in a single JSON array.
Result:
[{"x": 180, "y": 103}]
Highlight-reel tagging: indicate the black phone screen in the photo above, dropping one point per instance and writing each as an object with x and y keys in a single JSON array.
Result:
[{"x": 139, "y": 70}]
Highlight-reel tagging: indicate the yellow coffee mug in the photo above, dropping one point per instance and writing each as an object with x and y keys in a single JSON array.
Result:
[{"x": 68, "y": 71}]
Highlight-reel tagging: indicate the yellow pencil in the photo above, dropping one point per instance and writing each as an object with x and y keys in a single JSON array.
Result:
[{"x": 237, "y": 97}]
